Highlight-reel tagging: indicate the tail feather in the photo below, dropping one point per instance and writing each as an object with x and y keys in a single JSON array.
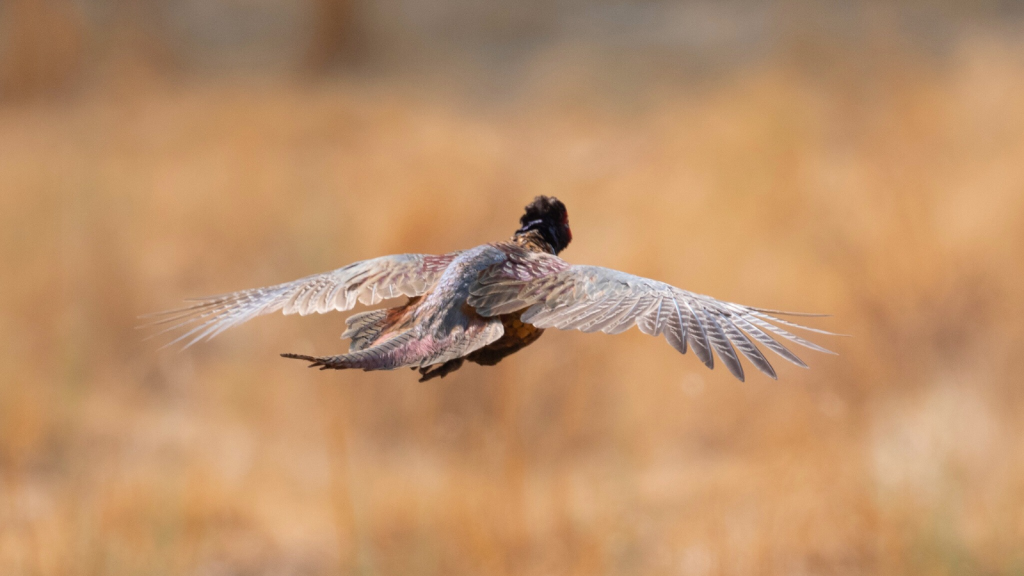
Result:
[
  {"x": 395, "y": 353},
  {"x": 375, "y": 348},
  {"x": 364, "y": 329}
]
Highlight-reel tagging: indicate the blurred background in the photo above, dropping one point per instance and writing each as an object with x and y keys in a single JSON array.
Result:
[{"x": 858, "y": 158}]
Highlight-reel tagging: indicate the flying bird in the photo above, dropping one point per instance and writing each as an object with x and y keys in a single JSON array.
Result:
[{"x": 485, "y": 303}]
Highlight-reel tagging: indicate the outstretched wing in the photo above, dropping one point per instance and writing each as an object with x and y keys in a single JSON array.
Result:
[
  {"x": 368, "y": 282},
  {"x": 556, "y": 294}
]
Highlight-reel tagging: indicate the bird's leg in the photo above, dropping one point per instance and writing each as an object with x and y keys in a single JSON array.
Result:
[{"x": 428, "y": 372}]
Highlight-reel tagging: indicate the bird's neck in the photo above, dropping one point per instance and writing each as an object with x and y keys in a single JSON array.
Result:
[{"x": 533, "y": 241}]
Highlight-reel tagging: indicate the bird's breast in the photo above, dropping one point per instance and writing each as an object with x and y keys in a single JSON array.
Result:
[{"x": 517, "y": 333}]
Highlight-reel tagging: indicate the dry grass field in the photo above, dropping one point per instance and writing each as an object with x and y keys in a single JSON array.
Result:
[{"x": 891, "y": 197}]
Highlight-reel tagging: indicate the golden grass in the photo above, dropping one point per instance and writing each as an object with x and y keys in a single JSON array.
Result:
[{"x": 891, "y": 199}]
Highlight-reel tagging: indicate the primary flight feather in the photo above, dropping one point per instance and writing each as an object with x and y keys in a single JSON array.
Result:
[{"x": 491, "y": 301}]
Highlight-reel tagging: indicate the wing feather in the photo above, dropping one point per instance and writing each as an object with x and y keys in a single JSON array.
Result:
[
  {"x": 675, "y": 328},
  {"x": 368, "y": 282},
  {"x": 555, "y": 294},
  {"x": 742, "y": 343},
  {"x": 722, "y": 345},
  {"x": 769, "y": 342},
  {"x": 627, "y": 317},
  {"x": 701, "y": 346}
]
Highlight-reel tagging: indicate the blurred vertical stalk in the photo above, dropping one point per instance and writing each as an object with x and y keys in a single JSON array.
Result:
[
  {"x": 40, "y": 46},
  {"x": 515, "y": 535},
  {"x": 353, "y": 551},
  {"x": 337, "y": 38}
]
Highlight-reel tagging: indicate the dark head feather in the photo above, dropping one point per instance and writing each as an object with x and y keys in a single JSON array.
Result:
[{"x": 548, "y": 216}]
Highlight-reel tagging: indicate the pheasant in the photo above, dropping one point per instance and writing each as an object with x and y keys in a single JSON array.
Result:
[{"x": 485, "y": 303}]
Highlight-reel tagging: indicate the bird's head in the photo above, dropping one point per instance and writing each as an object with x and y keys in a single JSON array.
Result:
[{"x": 548, "y": 216}]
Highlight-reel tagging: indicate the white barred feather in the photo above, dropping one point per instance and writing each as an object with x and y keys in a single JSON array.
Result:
[
  {"x": 368, "y": 282},
  {"x": 556, "y": 294}
]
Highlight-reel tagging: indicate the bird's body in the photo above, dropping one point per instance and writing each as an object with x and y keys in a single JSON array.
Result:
[{"x": 491, "y": 301}]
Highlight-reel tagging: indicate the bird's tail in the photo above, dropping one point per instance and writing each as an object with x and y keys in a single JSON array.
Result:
[{"x": 402, "y": 350}]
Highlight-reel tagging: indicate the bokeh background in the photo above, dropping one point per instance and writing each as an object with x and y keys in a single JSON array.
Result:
[{"x": 864, "y": 159}]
